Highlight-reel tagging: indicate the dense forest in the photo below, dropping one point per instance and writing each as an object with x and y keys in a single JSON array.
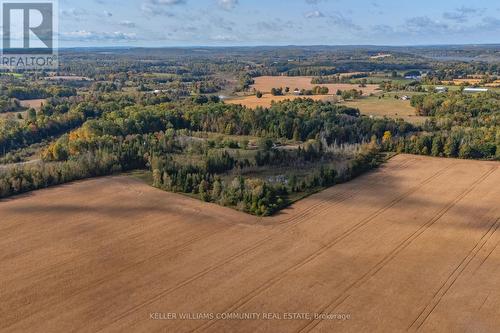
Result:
[
  {"x": 462, "y": 125},
  {"x": 55, "y": 118}
]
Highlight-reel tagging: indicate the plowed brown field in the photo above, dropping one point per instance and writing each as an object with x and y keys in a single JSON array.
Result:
[{"x": 411, "y": 246}]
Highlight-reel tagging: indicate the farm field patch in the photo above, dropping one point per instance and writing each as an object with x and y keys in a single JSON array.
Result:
[
  {"x": 32, "y": 103},
  {"x": 266, "y": 83},
  {"x": 387, "y": 107}
]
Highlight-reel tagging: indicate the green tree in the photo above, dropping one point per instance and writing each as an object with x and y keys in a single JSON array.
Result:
[
  {"x": 437, "y": 146},
  {"x": 32, "y": 114},
  {"x": 452, "y": 146},
  {"x": 216, "y": 190},
  {"x": 204, "y": 191}
]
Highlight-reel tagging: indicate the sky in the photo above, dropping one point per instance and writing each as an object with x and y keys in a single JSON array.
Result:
[{"x": 159, "y": 23}]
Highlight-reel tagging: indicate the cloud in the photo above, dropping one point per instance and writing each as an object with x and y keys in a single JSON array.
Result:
[
  {"x": 127, "y": 24},
  {"x": 462, "y": 14},
  {"x": 151, "y": 10},
  {"x": 489, "y": 24},
  {"x": 222, "y": 23},
  {"x": 426, "y": 28},
  {"x": 337, "y": 19},
  {"x": 168, "y": 2},
  {"x": 275, "y": 25},
  {"x": 424, "y": 24},
  {"x": 224, "y": 38},
  {"x": 344, "y": 22},
  {"x": 382, "y": 29},
  {"x": 314, "y": 14},
  {"x": 158, "y": 7},
  {"x": 92, "y": 36},
  {"x": 78, "y": 14},
  {"x": 227, "y": 4},
  {"x": 376, "y": 8},
  {"x": 74, "y": 13},
  {"x": 269, "y": 26},
  {"x": 314, "y": 2},
  {"x": 454, "y": 16}
]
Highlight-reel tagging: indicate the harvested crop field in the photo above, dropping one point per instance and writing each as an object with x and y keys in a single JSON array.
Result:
[
  {"x": 266, "y": 83},
  {"x": 32, "y": 103},
  {"x": 411, "y": 246},
  {"x": 267, "y": 99}
]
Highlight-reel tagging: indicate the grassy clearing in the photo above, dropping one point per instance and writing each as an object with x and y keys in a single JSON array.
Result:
[
  {"x": 142, "y": 175},
  {"x": 380, "y": 79},
  {"x": 387, "y": 106}
]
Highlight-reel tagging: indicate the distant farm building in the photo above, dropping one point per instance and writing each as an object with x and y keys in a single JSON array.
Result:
[
  {"x": 475, "y": 90},
  {"x": 441, "y": 89},
  {"x": 381, "y": 55}
]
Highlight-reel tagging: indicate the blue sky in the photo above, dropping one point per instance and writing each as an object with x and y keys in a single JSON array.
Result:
[{"x": 277, "y": 22}]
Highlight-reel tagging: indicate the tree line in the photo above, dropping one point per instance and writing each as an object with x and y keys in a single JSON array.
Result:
[{"x": 461, "y": 126}]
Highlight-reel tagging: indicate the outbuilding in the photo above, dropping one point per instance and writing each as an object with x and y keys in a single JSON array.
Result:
[{"x": 475, "y": 90}]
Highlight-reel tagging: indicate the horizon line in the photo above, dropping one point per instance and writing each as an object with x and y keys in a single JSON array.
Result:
[{"x": 275, "y": 45}]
